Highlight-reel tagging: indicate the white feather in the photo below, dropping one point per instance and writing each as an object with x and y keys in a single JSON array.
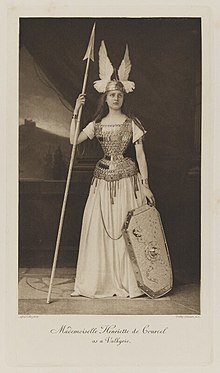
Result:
[
  {"x": 106, "y": 70},
  {"x": 125, "y": 67},
  {"x": 100, "y": 85},
  {"x": 105, "y": 66},
  {"x": 128, "y": 85}
]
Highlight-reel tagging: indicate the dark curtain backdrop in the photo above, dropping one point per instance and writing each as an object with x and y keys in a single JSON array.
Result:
[
  {"x": 166, "y": 68},
  {"x": 165, "y": 55}
]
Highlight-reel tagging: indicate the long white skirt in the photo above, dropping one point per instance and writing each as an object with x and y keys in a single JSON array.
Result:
[{"x": 104, "y": 268}]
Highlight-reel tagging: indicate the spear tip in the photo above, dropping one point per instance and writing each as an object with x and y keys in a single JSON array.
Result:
[{"x": 90, "y": 48}]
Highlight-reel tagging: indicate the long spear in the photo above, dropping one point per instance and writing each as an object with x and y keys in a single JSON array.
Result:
[{"x": 89, "y": 55}]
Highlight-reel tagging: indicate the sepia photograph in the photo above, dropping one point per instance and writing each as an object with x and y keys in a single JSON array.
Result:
[
  {"x": 111, "y": 208},
  {"x": 109, "y": 150}
]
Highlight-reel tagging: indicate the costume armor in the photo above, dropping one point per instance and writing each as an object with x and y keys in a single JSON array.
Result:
[{"x": 114, "y": 140}]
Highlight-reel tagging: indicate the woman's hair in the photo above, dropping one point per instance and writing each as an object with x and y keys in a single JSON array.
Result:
[{"x": 102, "y": 110}]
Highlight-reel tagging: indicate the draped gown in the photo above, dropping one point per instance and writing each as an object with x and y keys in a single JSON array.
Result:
[{"x": 104, "y": 268}]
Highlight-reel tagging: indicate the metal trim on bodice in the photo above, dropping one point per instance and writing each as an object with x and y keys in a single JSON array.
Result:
[{"x": 114, "y": 140}]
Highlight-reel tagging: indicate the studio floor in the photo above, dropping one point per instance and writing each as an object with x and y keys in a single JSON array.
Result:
[{"x": 184, "y": 299}]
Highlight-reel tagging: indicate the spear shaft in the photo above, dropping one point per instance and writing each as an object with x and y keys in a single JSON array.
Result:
[{"x": 88, "y": 56}]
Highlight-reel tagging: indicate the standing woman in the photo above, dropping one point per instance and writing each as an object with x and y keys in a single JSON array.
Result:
[{"x": 104, "y": 268}]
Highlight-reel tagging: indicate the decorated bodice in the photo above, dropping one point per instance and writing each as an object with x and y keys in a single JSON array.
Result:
[{"x": 114, "y": 140}]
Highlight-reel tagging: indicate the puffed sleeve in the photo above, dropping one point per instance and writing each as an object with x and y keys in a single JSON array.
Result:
[
  {"x": 138, "y": 131},
  {"x": 89, "y": 130}
]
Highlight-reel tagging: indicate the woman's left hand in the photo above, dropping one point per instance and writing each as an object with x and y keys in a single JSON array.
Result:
[{"x": 149, "y": 195}]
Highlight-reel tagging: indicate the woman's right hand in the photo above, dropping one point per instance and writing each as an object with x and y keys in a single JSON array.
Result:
[{"x": 80, "y": 101}]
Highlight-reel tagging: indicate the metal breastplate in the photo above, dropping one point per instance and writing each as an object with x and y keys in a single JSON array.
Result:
[{"x": 114, "y": 140}]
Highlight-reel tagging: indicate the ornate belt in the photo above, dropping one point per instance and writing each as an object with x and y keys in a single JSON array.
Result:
[
  {"x": 119, "y": 157},
  {"x": 113, "y": 168}
]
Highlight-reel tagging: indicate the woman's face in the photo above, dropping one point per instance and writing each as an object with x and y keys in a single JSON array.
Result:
[{"x": 115, "y": 99}]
